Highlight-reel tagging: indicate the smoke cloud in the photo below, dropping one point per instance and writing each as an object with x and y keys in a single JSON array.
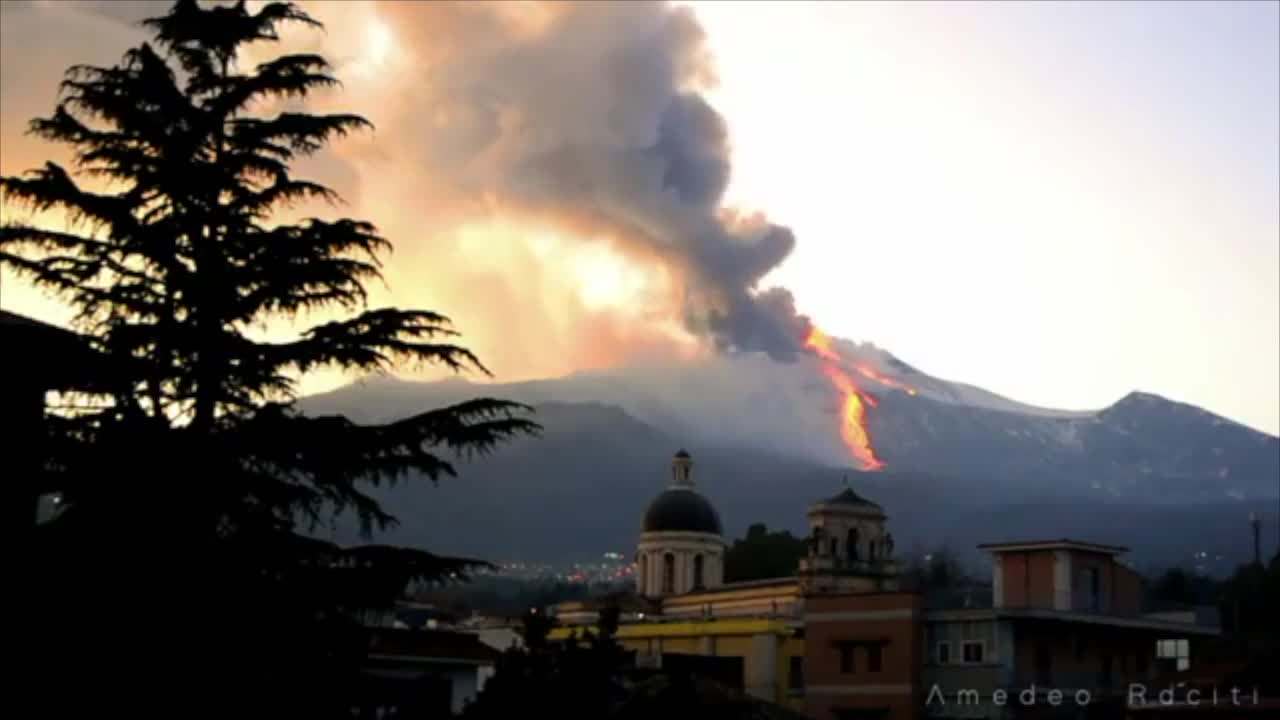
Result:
[
  {"x": 552, "y": 175},
  {"x": 591, "y": 115}
]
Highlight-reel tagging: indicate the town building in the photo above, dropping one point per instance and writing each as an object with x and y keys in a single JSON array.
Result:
[
  {"x": 844, "y": 639},
  {"x": 422, "y": 673},
  {"x": 38, "y": 359}
]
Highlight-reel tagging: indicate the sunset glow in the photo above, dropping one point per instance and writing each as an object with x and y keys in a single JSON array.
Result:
[{"x": 1034, "y": 198}]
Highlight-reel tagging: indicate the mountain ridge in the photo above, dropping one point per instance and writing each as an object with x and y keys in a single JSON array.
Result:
[
  {"x": 964, "y": 465},
  {"x": 581, "y": 489},
  {"x": 474, "y": 388},
  {"x": 1124, "y": 449}
]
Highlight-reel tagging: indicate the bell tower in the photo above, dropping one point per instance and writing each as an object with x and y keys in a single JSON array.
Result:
[{"x": 850, "y": 549}]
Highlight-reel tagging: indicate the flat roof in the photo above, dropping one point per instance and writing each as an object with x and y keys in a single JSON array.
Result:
[
  {"x": 1137, "y": 622},
  {"x": 1060, "y": 544},
  {"x": 744, "y": 584},
  {"x": 429, "y": 645},
  {"x": 749, "y": 589}
]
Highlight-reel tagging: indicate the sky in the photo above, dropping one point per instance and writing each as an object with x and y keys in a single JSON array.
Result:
[{"x": 1058, "y": 202}]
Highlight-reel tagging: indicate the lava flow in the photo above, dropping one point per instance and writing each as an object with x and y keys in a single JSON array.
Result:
[
  {"x": 883, "y": 380},
  {"x": 853, "y": 421}
]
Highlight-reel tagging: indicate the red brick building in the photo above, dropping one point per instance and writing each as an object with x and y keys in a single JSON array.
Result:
[{"x": 864, "y": 653}]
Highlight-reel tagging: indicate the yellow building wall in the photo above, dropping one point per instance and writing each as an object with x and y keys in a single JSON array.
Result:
[
  {"x": 792, "y": 698},
  {"x": 686, "y": 646},
  {"x": 724, "y": 638}
]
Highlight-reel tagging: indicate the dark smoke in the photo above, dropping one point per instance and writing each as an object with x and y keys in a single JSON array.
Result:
[
  {"x": 591, "y": 113},
  {"x": 598, "y": 115}
]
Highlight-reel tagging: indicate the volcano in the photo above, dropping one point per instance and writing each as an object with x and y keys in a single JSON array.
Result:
[{"x": 961, "y": 464}]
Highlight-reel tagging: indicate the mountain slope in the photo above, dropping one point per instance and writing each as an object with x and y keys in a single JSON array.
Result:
[
  {"x": 1141, "y": 448},
  {"x": 581, "y": 489}
]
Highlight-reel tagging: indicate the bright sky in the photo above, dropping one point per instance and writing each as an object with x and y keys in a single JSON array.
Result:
[{"x": 1059, "y": 202}]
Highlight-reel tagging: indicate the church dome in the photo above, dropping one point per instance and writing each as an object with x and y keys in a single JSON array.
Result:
[{"x": 681, "y": 510}]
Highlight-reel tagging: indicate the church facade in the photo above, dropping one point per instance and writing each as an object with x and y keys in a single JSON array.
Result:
[
  {"x": 841, "y": 639},
  {"x": 790, "y": 632}
]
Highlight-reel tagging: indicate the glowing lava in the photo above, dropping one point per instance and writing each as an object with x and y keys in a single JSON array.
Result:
[
  {"x": 871, "y": 373},
  {"x": 853, "y": 420}
]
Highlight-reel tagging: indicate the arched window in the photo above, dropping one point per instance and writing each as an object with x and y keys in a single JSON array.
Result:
[
  {"x": 852, "y": 544},
  {"x": 835, "y": 547},
  {"x": 642, "y": 579},
  {"x": 697, "y": 570},
  {"x": 815, "y": 541},
  {"x": 871, "y": 550},
  {"x": 668, "y": 574}
]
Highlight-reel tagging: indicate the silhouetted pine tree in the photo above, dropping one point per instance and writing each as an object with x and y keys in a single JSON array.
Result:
[{"x": 190, "y": 490}]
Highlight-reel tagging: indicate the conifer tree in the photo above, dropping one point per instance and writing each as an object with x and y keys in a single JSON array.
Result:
[{"x": 192, "y": 486}]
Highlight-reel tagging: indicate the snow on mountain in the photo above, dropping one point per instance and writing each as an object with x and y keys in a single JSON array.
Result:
[
  {"x": 945, "y": 391},
  {"x": 1141, "y": 446}
]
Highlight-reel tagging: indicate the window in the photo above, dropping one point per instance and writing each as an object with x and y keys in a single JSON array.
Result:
[
  {"x": 697, "y": 570},
  {"x": 944, "y": 653},
  {"x": 1093, "y": 588},
  {"x": 972, "y": 652},
  {"x": 851, "y": 544},
  {"x": 835, "y": 547},
  {"x": 815, "y": 542},
  {"x": 875, "y": 653},
  {"x": 1176, "y": 652},
  {"x": 644, "y": 574},
  {"x": 795, "y": 674},
  {"x": 1140, "y": 663},
  {"x": 1104, "y": 671},
  {"x": 668, "y": 573},
  {"x": 846, "y": 658}
]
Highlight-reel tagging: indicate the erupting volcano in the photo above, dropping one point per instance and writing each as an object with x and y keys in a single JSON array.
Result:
[{"x": 853, "y": 413}]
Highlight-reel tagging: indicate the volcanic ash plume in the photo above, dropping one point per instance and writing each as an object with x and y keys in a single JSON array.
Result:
[
  {"x": 589, "y": 118},
  {"x": 551, "y": 176},
  {"x": 583, "y": 117}
]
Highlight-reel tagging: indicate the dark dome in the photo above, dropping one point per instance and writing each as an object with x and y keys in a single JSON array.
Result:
[{"x": 679, "y": 510}]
